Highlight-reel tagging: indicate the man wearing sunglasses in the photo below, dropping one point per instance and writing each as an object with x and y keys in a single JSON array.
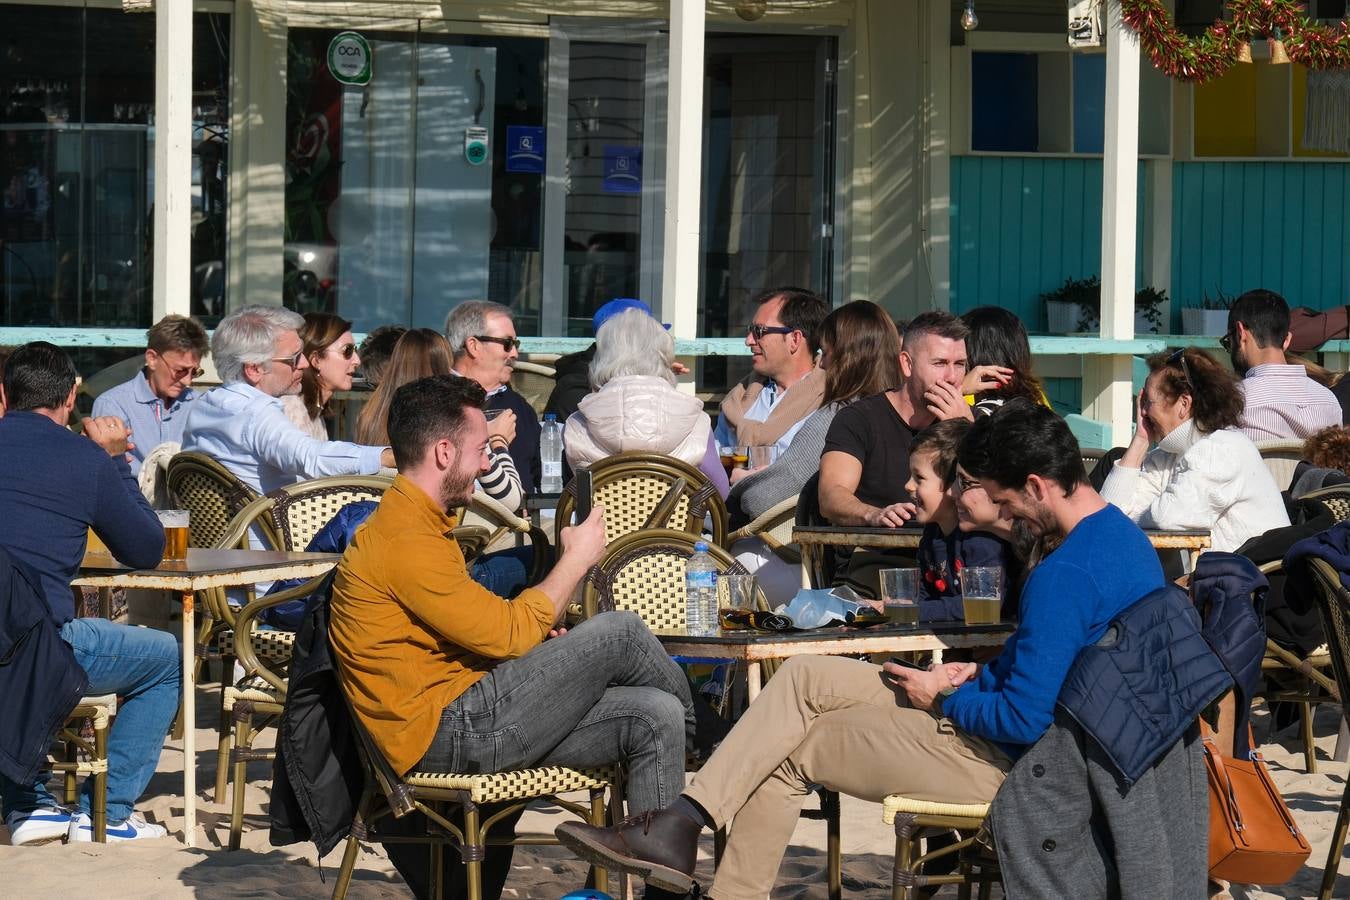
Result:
[
  {"x": 1282, "y": 402},
  {"x": 242, "y": 423},
  {"x": 483, "y": 338},
  {"x": 770, "y": 406},
  {"x": 154, "y": 403}
]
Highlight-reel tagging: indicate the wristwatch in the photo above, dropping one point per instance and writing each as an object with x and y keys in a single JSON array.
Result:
[{"x": 940, "y": 698}]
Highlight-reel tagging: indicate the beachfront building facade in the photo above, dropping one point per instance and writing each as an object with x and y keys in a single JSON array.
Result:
[{"x": 384, "y": 159}]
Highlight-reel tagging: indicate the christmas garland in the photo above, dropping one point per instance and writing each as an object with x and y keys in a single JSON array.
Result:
[{"x": 1211, "y": 54}]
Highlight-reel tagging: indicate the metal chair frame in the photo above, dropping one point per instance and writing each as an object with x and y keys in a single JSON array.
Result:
[
  {"x": 89, "y": 757},
  {"x": 1333, "y": 601},
  {"x": 915, "y": 819}
]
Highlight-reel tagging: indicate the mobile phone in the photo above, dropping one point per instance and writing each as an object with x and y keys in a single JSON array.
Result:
[
  {"x": 583, "y": 484},
  {"x": 908, "y": 664}
]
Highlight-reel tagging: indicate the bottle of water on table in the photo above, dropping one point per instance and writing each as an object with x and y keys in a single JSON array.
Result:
[
  {"x": 550, "y": 455},
  {"x": 701, "y": 592}
]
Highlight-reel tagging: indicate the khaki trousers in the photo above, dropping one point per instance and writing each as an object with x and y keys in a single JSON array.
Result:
[{"x": 834, "y": 722}]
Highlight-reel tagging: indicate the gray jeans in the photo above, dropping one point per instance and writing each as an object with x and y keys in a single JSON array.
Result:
[{"x": 605, "y": 692}]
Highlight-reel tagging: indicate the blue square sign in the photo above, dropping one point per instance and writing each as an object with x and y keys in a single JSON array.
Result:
[
  {"x": 526, "y": 147},
  {"x": 623, "y": 169}
]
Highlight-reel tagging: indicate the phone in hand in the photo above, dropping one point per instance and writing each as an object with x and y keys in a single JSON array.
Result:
[
  {"x": 584, "y": 488},
  {"x": 908, "y": 664}
]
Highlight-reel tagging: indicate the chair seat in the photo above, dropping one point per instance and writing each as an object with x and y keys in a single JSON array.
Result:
[
  {"x": 267, "y": 644},
  {"x": 99, "y": 707},
  {"x": 521, "y": 784},
  {"x": 898, "y": 803},
  {"x": 254, "y": 690}
]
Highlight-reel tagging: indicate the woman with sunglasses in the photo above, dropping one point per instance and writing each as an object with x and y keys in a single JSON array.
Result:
[
  {"x": 329, "y": 347},
  {"x": 1202, "y": 471}
]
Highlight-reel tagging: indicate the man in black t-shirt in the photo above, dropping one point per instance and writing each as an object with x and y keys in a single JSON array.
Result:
[{"x": 865, "y": 463}]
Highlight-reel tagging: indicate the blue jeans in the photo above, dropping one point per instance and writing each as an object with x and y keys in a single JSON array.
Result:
[
  {"x": 505, "y": 572},
  {"x": 605, "y": 692},
  {"x": 141, "y": 666}
]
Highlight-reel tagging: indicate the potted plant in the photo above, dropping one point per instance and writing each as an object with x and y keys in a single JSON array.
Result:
[
  {"x": 1076, "y": 306},
  {"x": 1209, "y": 316}
]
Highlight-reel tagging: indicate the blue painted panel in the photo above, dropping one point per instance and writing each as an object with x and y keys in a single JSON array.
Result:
[
  {"x": 1277, "y": 225},
  {"x": 1089, "y": 102},
  {"x": 1021, "y": 226},
  {"x": 1004, "y": 102}
]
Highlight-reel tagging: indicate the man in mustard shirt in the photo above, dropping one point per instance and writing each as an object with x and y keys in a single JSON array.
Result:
[{"x": 448, "y": 677}]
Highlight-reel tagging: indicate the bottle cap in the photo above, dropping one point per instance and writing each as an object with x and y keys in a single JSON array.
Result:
[
  {"x": 700, "y": 546},
  {"x": 550, "y": 417}
]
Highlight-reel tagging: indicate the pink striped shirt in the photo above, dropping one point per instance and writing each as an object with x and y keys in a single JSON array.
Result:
[{"x": 1283, "y": 403}]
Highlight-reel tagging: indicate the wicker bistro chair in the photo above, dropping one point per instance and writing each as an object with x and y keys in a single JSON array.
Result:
[
  {"x": 644, "y": 572},
  {"x": 534, "y": 380},
  {"x": 630, "y": 485},
  {"x": 1281, "y": 457},
  {"x": 1333, "y": 601},
  {"x": 88, "y": 757},
  {"x": 774, "y": 528},
  {"x": 913, "y": 820},
  {"x": 432, "y": 794},
  {"x": 210, "y": 492}
]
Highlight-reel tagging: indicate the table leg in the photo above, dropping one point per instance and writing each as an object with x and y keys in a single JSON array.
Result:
[
  {"x": 752, "y": 680},
  {"x": 189, "y": 721}
]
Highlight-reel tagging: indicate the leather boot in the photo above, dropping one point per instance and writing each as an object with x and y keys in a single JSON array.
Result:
[{"x": 659, "y": 846}]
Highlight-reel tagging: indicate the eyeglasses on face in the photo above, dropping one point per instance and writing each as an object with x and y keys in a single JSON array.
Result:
[
  {"x": 1226, "y": 342},
  {"x": 346, "y": 351},
  {"x": 506, "y": 343},
  {"x": 292, "y": 361},
  {"x": 966, "y": 483},
  {"x": 758, "y": 331},
  {"x": 178, "y": 373}
]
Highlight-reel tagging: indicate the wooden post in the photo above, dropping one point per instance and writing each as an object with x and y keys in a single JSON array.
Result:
[
  {"x": 1107, "y": 380},
  {"x": 173, "y": 160},
  {"x": 684, "y": 169}
]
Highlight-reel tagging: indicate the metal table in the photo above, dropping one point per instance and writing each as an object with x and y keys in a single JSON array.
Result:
[{"x": 201, "y": 570}]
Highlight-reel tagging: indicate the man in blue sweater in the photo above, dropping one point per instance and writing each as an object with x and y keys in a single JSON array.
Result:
[
  {"x": 946, "y": 734},
  {"x": 57, "y": 486}
]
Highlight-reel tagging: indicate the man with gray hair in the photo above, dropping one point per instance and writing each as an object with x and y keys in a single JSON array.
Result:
[
  {"x": 242, "y": 424},
  {"x": 483, "y": 339}
]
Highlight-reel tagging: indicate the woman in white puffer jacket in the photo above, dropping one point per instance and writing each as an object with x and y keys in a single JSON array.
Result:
[
  {"x": 1203, "y": 473},
  {"x": 636, "y": 406}
]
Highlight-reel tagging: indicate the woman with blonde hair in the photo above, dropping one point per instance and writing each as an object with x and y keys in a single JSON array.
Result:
[{"x": 419, "y": 353}]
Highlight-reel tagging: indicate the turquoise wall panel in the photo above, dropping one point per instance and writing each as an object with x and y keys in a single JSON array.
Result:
[
  {"x": 1021, "y": 226},
  {"x": 1277, "y": 225}
]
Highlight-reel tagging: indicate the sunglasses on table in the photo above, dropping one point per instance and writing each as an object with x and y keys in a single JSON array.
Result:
[
  {"x": 506, "y": 343},
  {"x": 758, "y": 331}
]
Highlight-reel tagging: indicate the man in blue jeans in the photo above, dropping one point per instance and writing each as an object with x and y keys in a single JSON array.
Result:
[{"x": 57, "y": 486}]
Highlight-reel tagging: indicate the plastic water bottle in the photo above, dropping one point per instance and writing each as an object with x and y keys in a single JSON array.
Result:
[
  {"x": 550, "y": 455},
  {"x": 700, "y": 585}
]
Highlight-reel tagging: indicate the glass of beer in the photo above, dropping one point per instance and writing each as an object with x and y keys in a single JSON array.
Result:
[
  {"x": 900, "y": 594},
  {"x": 735, "y": 601},
  {"x": 728, "y": 457},
  {"x": 740, "y": 457},
  {"x": 175, "y": 522},
  {"x": 982, "y": 594}
]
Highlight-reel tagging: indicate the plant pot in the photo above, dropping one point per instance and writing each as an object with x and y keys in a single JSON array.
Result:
[
  {"x": 1212, "y": 322},
  {"x": 1070, "y": 318}
]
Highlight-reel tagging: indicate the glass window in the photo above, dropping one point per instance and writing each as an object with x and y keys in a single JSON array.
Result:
[{"x": 76, "y": 145}]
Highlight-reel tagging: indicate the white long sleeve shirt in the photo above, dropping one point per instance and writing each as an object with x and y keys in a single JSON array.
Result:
[{"x": 1195, "y": 480}]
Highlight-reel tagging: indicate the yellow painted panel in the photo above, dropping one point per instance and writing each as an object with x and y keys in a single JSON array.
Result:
[
  {"x": 1300, "y": 110},
  {"x": 1225, "y": 114}
]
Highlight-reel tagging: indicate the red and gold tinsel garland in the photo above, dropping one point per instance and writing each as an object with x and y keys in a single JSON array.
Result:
[{"x": 1208, "y": 56}]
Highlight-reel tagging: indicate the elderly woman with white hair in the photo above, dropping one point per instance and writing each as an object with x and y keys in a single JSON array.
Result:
[{"x": 636, "y": 406}]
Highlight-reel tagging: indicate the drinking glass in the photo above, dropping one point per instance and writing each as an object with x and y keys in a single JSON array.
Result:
[
  {"x": 982, "y": 594},
  {"x": 740, "y": 457},
  {"x": 175, "y": 522},
  {"x": 735, "y": 601},
  {"x": 900, "y": 594},
  {"x": 762, "y": 455},
  {"x": 728, "y": 457}
]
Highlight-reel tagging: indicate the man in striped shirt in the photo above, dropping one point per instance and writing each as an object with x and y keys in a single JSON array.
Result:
[{"x": 1283, "y": 403}]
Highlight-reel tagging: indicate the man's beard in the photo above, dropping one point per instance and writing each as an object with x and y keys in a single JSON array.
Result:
[{"x": 456, "y": 489}]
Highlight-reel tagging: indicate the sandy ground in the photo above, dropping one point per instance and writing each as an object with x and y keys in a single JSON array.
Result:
[{"x": 165, "y": 868}]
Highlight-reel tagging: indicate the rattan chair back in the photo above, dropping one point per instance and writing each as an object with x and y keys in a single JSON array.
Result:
[
  {"x": 300, "y": 511},
  {"x": 1334, "y": 499},
  {"x": 484, "y": 524},
  {"x": 211, "y": 492},
  {"x": 534, "y": 381},
  {"x": 1281, "y": 458},
  {"x": 645, "y": 572},
  {"x": 631, "y": 485}
]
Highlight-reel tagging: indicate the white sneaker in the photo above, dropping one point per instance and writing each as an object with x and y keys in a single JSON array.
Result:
[
  {"x": 38, "y": 826},
  {"x": 134, "y": 828}
]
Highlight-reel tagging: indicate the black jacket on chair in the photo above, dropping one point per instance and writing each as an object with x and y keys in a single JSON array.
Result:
[{"x": 39, "y": 677}]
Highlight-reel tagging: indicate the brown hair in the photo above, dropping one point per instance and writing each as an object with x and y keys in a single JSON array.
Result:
[
  {"x": 320, "y": 331},
  {"x": 942, "y": 438},
  {"x": 934, "y": 321},
  {"x": 1329, "y": 449},
  {"x": 174, "y": 332},
  {"x": 864, "y": 352},
  {"x": 419, "y": 353},
  {"x": 1216, "y": 399}
]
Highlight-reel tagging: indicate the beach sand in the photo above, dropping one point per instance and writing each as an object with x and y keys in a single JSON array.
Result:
[{"x": 165, "y": 868}]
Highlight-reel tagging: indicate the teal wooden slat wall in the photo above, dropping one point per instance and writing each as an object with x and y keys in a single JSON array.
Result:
[
  {"x": 1021, "y": 226},
  {"x": 1277, "y": 225}
]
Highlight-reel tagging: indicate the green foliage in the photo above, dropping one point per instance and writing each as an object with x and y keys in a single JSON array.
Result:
[{"x": 1087, "y": 293}]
